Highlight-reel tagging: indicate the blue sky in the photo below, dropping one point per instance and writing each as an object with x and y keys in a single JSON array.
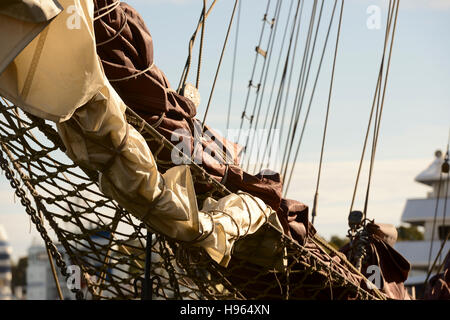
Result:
[
  {"x": 416, "y": 117},
  {"x": 417, "y": 109}
]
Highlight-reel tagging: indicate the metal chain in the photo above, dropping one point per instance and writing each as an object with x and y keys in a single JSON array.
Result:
[
  {"x": 21, "y": 193},
  {"x": 167, "y": 257}
]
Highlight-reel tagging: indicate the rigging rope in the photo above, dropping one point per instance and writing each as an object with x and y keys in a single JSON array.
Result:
[
  {"x": 86, "y": 252},
  {"x": 289, "y": 79},
  {"x": 233, "y": 69},
  {"x": 285, "y": 163},
  {"x": 258, "y": 160},
  {"x": 263, "y": 80},
  {"x": 185, "y": 73},
  {"x": 444, "y": 169},
  {"x": 250, "y": 84},
  {"x": 317, "y": 76},
  {"x": 288, "y": 59},
  {"x": 200, "y": 52},
  {"x": 381, "y": 106},
  {"x": 377, "y": 89},
  {"x": 294, "y": 124},
  {"x": 117, "y": 262},
  {"x": 430, "y": 270},
  {"x": 301, "y": 86},
  {"x": 219, "y": 64},
  {"x": 314, "y": 210}
]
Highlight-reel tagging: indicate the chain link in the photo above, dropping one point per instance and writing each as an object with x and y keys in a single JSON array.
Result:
[{"x": 25, "y": 201}]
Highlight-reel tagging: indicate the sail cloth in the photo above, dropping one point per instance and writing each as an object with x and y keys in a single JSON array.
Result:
[
  {"x": 35, "y": 11},
  {"x": 97, "y": 135},
  {"x": 393, "y": 267},
  {"x": 125, "y": 47},
  {"x": 21, "y": 21},
  {"x": 438, "y": 287},
  {"x": 166, "y": 202},
  {"x": 33, "y": 81}
]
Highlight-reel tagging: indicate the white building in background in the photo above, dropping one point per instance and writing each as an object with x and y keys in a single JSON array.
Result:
[
  {"x": 421, "y": 212},
  {"x": 5, "y": 266},
  {"x": 40, "y": 281}
]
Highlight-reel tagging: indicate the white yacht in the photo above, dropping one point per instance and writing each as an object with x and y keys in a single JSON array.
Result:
[
  {"x": 433, "y": 214},
  {"x": 5, "y": 266}
]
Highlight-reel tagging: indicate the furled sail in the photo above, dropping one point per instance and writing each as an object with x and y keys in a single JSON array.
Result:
[
  {"x": 21, "y": 22},
  {"x": 92, "y": 124}
]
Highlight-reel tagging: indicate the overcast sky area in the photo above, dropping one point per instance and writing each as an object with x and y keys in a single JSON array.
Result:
[{"x": 416, "y": 116}]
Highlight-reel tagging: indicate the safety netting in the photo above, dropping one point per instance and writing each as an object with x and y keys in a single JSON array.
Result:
[{"x": 109, "y": 244}]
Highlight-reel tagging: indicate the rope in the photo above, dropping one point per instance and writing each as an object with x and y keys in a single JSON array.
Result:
[
  {"x": 274, "y": 81},
  {"x": 430, "y": 270},
  {"x": 377, "y": 127},
  {"x": 109, "y": 8},
  {"x": 202, "y": 36},
  {"x": 344, "y": 259},
  {"x": 112, "y": 4},
  {"x": 97, "y": 213},
  {"x": 445, "y": 168},
  {"x": 219, "y": 64},
  {"x": 300, "y": 88},
  {"x": 55, "y": 276},
  {"x": 101, "y": 258},
  {"x": 233, "y": 69},
  {"x": 263, "y": 80},
  {"x": 445, "y": 259},
  {"x": 429, "y": 266},
  {"x": 378, "y": 86},
  {"x": 187, "y": 66},
  {"x": 118, "y": 33},
  {"x": 301, "y": 85},
  {"x": 434, "y": 220},
  {"x": 253, "y": 71},
  {"x": 299, "y": 108},
  {"x": 364, "y": 146},
  {"x": 137, "y": 74},
  {"x": 274, "y": 121},
  {"x": 314, "y": 213}
]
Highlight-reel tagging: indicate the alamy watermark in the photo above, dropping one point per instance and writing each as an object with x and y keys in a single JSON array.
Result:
[
  {"x": 373, "y": 21},
  {"x": 200, "y": 147},
  {"x": 373, "y": 273},
  {"x": 74, "y": 19},
  {"x": 74, "y": 280}
]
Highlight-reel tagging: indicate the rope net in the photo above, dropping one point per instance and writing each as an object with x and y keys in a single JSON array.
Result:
[{"x": 108, "y": 243}]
